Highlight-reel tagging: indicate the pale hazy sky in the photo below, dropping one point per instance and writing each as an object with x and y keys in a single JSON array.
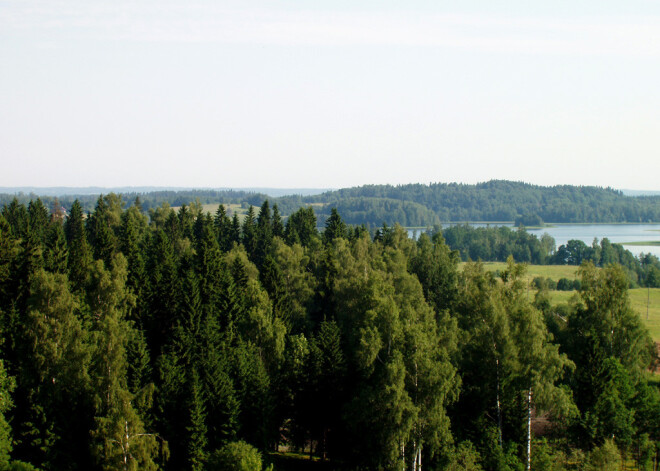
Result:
[{"x": 329, "y": 93}]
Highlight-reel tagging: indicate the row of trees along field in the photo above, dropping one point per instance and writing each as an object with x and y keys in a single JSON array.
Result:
[
  {"x": 190, "y": 340},
  {"x": 498, "y": 243}
]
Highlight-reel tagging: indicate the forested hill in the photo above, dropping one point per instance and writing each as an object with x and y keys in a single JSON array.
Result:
[
  {"x": 496, "y": 200},
  {"x": 419, "y": 204}
]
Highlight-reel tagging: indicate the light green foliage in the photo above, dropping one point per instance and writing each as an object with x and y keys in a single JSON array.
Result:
[
  {"x": 58, "y": 343},
  {"x": 235, "y": 456},
  {"x": 298, "y": 283},
  {"x": 405, "y": 378},
  {"x": 546, "y": 458},
  {"x": 56, "y": 355},
  {"x": 436, "y": 266},
  {"x": 605, "y": 457},
  {"x": 121, "y": 442}
]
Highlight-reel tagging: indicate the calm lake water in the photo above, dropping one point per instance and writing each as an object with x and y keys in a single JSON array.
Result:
[{"x": 616, "y": 233}]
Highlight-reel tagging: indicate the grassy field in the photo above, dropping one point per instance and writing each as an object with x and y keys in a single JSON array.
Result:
[
  {"x": 554, "y": 272},
  {"x": 638, "y": 296},
  {"x": 638, "y": 299}
]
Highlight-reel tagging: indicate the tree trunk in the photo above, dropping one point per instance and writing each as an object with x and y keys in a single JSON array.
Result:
[
  {"x": 499, "y": 408},
  {"x": 529, "y": 429}
]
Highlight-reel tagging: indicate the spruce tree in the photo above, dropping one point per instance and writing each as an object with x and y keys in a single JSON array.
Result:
[
  {"x": 334, "y": 227},
  {"x": 249, "y": 234},
  {"x": 38, "y": 218},
  {"x": 222, "y": 225},
  {"x": 278, "y": 227},
  {"x": 197, "y": 430},
  {"x": 80, "y": 255},
  {"x": 56, "y": 253},
  {"x": 100, "y": 234}
]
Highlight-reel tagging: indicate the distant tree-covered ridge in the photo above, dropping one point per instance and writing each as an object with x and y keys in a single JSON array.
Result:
[
  {"x": 501, "y": 200},
  {"x": 422, "y": 205}
]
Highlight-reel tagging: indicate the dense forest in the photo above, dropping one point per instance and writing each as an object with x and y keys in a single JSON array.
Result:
[
  {"x": 184, "y": 340},
  {"x": 418, "y": 205},
  {"x": 496, "y": 200}
]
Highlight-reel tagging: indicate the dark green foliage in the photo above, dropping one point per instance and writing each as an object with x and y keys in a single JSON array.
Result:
[
  {"x": 529, "y": 219},
  {"x": 278, "y": 227},
  {"x": 197, "y": 441},
  {"x": 496, "y": 244},
  {"x": 56, "y": 253},
  {"x": 301, "y": 227},
  {"x": 80, "y": 255},
  {"x": 223, "y": 228},
  {"x": 100, "y": 234},
  {"x": 335, "y": 227}
]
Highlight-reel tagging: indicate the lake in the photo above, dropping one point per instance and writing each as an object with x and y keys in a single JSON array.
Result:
[{"x": 616, "y": 233}]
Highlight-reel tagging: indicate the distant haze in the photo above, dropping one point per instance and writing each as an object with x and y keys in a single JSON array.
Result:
[
  {"x": 62, "y": 191},
  {"x": 317, "y": 94}
]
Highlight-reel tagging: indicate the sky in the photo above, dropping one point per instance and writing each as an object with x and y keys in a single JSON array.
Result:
[{"x": 329, "y": 94}]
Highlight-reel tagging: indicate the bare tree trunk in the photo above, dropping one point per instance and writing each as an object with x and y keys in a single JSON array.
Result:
[
  {"x": 414, "y": 456},
  {"x": 126, "y": 451},
  {"x": 529, "y": 429},
  {"x": 499, "y": 408}
]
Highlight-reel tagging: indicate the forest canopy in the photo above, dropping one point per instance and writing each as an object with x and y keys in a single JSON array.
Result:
[{"x": 179, "y": 339}]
